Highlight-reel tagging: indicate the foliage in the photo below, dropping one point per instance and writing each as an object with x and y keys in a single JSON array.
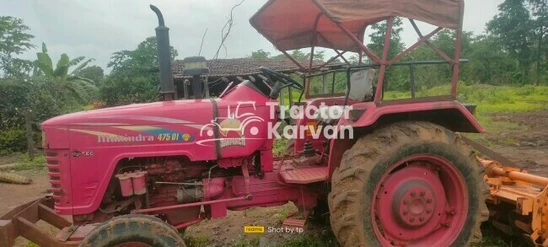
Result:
[
  {"x": 12, "y": 140},
  {"x": 512, "y": 26},
  {"x": 79, "y": 88},
  {"x": 260, "y": 54},
  {"x": 132, "y": 79},
  {"x": 14, "y": 40},
  {"x": 123, "y": 90},
  {"x": 141, "y": 60},
  {"x": 61, "y": 70},
  {"x": 94, "y": 73}
]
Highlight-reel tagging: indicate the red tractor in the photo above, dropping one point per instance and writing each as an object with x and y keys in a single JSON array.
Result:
[{"x": 134, "y": 174}]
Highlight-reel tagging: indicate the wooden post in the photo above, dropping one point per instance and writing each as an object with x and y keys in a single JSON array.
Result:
[{"x": 28, "y": 132}]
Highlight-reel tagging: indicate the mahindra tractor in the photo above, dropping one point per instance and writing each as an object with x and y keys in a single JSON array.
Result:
[{"x": 391, "y": 173}]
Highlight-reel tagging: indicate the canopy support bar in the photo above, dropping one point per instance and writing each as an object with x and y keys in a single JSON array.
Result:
[
  {"x": 339, "y": 54},
  {"x": 411, "y": 48},
  {"x": 313, "y": 42},
  {"x": 382, "y": 72},
  {"x": 293, "y": 60},
  {"x": 358, "y": 42},
  {"x": 436, "y": 49},
  {"x": 456, "y": 64}
]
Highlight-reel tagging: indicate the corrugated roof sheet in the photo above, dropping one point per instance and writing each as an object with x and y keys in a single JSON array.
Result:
[{"x": 244, "y": 66}]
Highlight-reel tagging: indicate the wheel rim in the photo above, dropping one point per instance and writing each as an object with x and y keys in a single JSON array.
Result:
[{"x": 421, "y": 200}]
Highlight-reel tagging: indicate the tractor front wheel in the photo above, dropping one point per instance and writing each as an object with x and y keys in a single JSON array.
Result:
[
  {"x": 133, "y": 231},
  {"x": 408, "y": 184}
]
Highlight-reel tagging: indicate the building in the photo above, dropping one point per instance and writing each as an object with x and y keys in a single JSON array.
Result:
[{"x": 233, "y": 69}]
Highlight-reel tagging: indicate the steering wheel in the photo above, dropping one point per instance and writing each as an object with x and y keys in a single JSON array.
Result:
[{"x": 274, "y": 76}]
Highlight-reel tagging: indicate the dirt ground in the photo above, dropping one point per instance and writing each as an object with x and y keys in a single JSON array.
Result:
[
  {"x": 526, "y": 144},
  {"x": 12, "y": 195}
]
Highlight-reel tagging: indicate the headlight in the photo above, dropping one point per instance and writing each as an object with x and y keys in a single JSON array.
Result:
[{"x": 44, "y": 142}]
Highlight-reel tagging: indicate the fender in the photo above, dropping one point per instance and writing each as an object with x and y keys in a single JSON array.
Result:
[
  {"x": 366, "y": 117},
  {"x": 449, "y": 114}
]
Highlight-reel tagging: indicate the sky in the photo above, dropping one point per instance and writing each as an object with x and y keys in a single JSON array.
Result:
[{"x": 98, "y": 28}]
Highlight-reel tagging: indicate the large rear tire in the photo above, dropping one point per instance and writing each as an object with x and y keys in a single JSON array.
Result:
[
  {"x": 409, "y": 183},
  {"x": 132, "y": 231}
]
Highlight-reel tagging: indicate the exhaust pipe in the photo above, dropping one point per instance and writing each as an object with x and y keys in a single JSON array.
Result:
[{"x": 164, "y": 57}]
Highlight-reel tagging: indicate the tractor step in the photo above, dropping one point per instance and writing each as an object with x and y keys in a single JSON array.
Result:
[{"x": 305, "y": 175}]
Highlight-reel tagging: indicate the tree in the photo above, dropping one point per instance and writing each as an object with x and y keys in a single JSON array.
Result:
[
  {"x": 513, "y": 27},
  {"x": 14, "y": 40},
  {"x": 94, "y": 73},
  {"x": 299, "y": 55},
  {"x": 134, "y": 77},
  {"x": 260, "y": 54},
  {"x": 376, "y": 44},
  {"x": 143, "y": 59},
  {"x": 396, "y": 75},
  {"x": 539, "y": 10},
  {"x": 489, "y": 63}
]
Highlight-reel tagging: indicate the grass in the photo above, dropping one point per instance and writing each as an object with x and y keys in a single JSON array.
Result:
[
  {"x": 197, "y": 240},
  {"x": 491, "y": 100},
  {"x": 26, "y": 163},
  {"x": 494, "y": 237}
]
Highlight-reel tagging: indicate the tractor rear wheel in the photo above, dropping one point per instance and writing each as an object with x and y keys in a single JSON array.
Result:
[
  {"x": 408, "y": 184},
  {"x": 133, "y": 231}
]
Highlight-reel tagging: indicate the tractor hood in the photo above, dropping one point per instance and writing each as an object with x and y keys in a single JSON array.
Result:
[
  {"x": 124, "y": 115},
  {"x": 160, "y": 123}
]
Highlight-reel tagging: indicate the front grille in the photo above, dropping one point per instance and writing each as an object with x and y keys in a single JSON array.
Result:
[{"x": 54, "y": 173}]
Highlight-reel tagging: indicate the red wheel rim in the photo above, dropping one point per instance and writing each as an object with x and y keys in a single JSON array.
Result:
[{"x": 422, "y": 200}]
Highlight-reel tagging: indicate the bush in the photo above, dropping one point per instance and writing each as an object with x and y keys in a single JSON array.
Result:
[
  {"x": 12, "y": 140},
  {"x": 122, "y": 90}
]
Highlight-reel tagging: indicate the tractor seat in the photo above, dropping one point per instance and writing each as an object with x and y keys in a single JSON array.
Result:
[
  {"x": 361, "y": 89},
  {"x": 361, "y": 85}
]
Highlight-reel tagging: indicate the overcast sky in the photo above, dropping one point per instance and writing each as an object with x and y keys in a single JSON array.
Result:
[{"x": 97, "y": 28}]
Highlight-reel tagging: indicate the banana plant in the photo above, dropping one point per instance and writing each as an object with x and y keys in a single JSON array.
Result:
[
  {"x": 61, "y": 70},
  {"x": 82, "y": 88}
]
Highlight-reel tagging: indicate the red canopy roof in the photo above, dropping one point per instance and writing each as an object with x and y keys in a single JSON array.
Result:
[{"x": 295, "y": 24}]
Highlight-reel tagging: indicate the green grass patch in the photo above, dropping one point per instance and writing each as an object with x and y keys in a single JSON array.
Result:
[
  {"x": 26, "y": 164},
  {"x": 489, "y": 100},
  {"x": 279, "y": 147},
  {"x": 247, "y": 242},
  {"x": 494, "y": 237},
  {"x": 197, "y": 240}
]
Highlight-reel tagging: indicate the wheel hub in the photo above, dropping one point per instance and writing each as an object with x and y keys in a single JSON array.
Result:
[
  {"x": 415, "y": 205},
  {"x": 417, "y": 200}
]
